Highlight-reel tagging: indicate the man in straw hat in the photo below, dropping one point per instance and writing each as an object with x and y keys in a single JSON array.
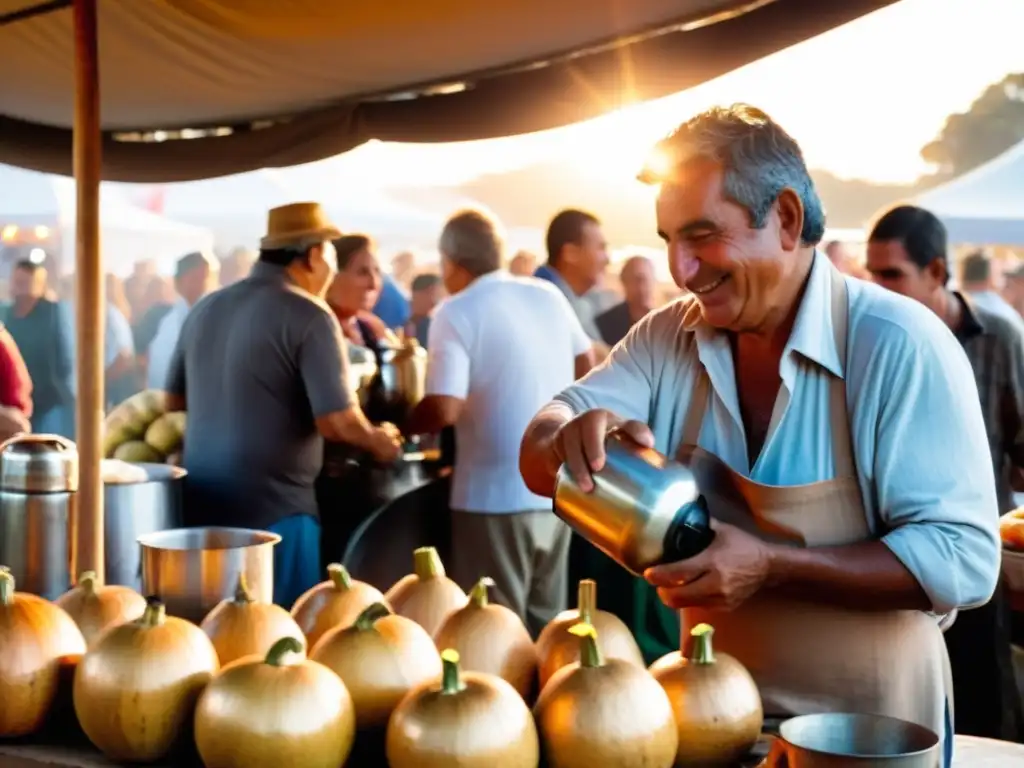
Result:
[{"x": 263, "y": 370}]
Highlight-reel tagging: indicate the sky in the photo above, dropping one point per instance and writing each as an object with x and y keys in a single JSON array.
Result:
[{"x": 862, "y": 100}]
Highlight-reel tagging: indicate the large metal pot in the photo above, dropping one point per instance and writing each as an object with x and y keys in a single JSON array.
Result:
[
  {"x": 193, "y": 569},
  {"x": 132, "y": 510},
  {"x": 839, "y": 740}
]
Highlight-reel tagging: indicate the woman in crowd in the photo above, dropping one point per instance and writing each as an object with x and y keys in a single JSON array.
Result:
[
  {"x": 355, "y": 290},
  {"x": 348, "y": 488}
]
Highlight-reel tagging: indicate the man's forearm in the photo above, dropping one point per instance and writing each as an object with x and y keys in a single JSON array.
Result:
[
  {"x": 538, "y": 462},
  {"x": 349, "y": 426},
  {"x": 864, "y": 576}
]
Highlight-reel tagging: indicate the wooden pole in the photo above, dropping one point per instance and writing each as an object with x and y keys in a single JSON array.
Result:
[{"x": 90, "y": 291}]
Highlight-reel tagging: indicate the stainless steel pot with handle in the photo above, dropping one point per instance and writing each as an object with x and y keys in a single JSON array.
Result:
[
  {"x": 132, "y": 510},
  {"x": 839, "y": 740},
  {"x": 193, "y": 569}
]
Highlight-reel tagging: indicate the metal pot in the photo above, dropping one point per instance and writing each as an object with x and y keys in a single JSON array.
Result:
[
  {"x": 132, "y": 510},
  {"x": 838, "y": 740},
  {"x": 644, "y": 510},
  {"x": 193, "y": 569},
  {"x": 403, "y": 374}
]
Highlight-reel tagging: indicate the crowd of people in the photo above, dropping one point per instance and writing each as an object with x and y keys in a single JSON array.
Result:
[{"x": 865, "y": 418}]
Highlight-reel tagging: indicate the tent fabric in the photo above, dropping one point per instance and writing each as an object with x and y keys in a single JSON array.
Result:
[
  {"x": 128, "y": 233},
  {"x": 984, "y": 206},
  {"x": 290, "y": 83}
]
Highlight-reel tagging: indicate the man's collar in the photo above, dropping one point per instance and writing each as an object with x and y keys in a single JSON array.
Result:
[{"x": 813, "y": 334}]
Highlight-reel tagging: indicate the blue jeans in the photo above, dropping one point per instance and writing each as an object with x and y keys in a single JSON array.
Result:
[{"x": 296, "y": 558}]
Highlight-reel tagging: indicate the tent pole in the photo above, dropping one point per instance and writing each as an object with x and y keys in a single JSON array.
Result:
[{"x": 90, "y": 292}]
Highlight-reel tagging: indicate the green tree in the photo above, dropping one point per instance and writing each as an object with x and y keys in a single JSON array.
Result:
[{"x": 993, "y": 124}]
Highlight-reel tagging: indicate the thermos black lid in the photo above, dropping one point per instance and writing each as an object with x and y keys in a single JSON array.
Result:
[{"x": 690, "y": 532}]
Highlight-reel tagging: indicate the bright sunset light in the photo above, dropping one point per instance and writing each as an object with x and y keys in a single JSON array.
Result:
[{"x": 861, "y": 100}]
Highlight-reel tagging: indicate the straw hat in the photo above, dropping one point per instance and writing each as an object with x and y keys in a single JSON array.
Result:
[{"x": 296, "y": 222}]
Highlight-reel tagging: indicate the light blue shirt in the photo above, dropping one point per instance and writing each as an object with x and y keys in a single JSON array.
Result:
[
  {"x": 161, "y": 349},
  {"x": 919, "y": 438},
  {"x": 117, "y": 339}
]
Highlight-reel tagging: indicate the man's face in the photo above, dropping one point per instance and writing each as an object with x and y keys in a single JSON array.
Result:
[
  {"x": 522, "y": 265},
  {"x": 27, "y": 284},
  {"x": 738, "y": 274},
  {"x": 425, "y": 299},
  {"x": 638, "y": 283},
  {"x": 890, "y": 266},
  {"x": 1013, "y": 289},
  {"x": 197, "y": 282},
  {"x": 589, "y": 257}
]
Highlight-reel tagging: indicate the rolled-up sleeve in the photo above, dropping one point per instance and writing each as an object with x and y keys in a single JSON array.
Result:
[
  {"x": 933, "y": 473},
  {"x": 623, "y": 382}
]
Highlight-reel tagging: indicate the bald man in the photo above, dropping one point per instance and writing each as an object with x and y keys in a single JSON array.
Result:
[{"x": 639, "y": 287}]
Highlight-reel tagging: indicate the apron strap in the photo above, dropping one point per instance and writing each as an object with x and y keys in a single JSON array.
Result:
[
  {"x": 844, "y": 464},
  {"x": 698, "y": 407}
]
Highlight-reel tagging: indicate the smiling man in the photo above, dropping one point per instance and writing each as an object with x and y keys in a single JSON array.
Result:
[{"x": 849, "y": 518}]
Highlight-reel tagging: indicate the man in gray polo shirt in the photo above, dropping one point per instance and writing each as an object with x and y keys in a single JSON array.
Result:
[{"x": 261, "y": 367}]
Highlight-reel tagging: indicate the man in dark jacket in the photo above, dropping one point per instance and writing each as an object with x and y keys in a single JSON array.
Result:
[{"x": 639, "y": 287}]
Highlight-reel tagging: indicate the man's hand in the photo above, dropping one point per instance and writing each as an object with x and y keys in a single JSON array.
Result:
[
  {"x": 579, "y": 443},
  {"x": 733, "y": 568},
  {"x": 387, "y": 443},
  {"x": 12, "y": 422}
]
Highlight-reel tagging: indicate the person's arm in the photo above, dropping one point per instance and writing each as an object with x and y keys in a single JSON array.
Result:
[
  {"x": 936, "y": 497},
  {"x": 323, "y": 365},
  {"x": 583, "y": 349},
  {"x": 935, "y": 492},
  {"x": 65, "y": 344},
  {"x": 622, "y": 384},
  {"x": 120, "y": 351},
  {"x": 1012, "y": 404},
  {"x": 175, "y": 382},
  {"x": 447, "y": 386},
  {"x": 15, "y": 382}
]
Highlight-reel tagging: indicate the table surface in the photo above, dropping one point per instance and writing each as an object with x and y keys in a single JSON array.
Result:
[{"x": 971, "y": 752}]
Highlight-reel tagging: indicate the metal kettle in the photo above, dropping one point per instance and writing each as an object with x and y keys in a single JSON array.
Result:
[
  {"x": 403, "y": 372},
  {"x": 644, "y": 510}
]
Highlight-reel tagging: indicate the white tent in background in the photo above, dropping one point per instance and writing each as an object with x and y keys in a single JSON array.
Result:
[
  {"x": 355, "y": 206},
  {"x": 984, "y": 206},
  {"x": 37, "y": 213},
  {"x": 234, "y": 208}
]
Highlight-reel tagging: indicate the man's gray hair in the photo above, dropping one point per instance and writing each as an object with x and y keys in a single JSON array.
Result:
[
  {"x": 758, "y": 157},
  {"x": 472, "y": 239}
]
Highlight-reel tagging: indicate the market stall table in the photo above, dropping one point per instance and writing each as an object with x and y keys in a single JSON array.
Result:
[{"x": 971, "y": 752}]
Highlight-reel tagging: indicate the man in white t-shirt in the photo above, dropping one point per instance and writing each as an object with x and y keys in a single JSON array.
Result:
[{"x": 500, "y": 346}]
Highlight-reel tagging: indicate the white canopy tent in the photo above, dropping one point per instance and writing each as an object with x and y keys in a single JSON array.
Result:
[
  {"x": 356, "y": 206},
  {"x": 233, "y": 207},
  {"x": 44, "y": 206},
  {"x": 984, "y": 206}
]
